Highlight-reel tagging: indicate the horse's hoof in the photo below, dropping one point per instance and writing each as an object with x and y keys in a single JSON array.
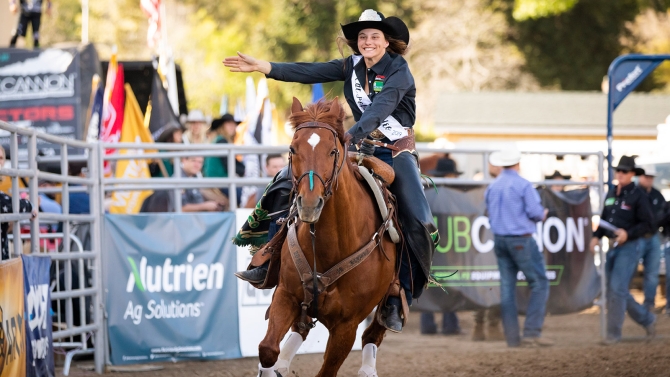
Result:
[
  {"x": 367, "y": 371},
  {"x": 282, "y": 367}
]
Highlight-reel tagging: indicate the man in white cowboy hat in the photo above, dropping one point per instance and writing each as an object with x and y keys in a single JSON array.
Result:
[
  {"x": 650, "y": 243},
  {"x": 514, "y": 208},
  {"x": 196, "y": 128}
]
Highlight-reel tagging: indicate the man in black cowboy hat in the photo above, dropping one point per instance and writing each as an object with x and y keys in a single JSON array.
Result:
[
  {"x": 557, "y": 176},
  {"x": 626, "y": 217}
]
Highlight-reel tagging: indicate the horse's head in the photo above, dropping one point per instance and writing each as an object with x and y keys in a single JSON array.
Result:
[{"x": 316, "y": 155}]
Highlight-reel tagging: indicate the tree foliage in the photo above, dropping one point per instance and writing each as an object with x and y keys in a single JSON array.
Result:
[{"x": 572, "y": 50}]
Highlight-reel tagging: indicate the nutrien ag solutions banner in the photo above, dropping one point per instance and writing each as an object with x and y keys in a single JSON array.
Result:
[
  {"x": 465, "y": 263},
  {"x": 171, "y": 289}
]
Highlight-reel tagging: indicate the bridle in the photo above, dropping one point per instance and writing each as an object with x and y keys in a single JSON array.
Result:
[
  {"x": 327, "y": 184},
  {"x": 328, "y": 192}
]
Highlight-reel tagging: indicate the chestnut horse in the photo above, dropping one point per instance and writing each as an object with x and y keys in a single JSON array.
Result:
[{"x": 329, "y": 197}]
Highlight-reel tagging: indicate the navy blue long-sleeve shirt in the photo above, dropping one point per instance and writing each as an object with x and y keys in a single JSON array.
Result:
[{"x": 396, "y": 98}]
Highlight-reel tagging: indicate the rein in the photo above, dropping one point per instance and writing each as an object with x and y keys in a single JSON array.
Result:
[{"x": 299, "y": 257}]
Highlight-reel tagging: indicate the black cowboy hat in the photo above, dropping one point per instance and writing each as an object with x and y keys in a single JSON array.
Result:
[
  {"x": 557, "y": 174},
  {"x": 627, "y": 163},
  {"x": 444, "y": 166},
  {"x": 168, "y": 130},
  {"x": 371, "y": 19},
  {"x": 218, "y": 122}
]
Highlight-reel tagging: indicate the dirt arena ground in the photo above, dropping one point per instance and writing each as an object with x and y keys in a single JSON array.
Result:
[{"x": 577, "y": 353}]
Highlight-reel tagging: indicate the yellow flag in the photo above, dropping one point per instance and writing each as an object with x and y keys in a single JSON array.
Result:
[{"x": 132, "y": 131}]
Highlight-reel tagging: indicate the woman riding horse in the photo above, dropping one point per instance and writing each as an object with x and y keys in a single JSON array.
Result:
[{"x": 379, "y": 88}]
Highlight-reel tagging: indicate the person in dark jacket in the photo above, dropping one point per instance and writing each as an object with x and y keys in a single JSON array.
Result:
[
  {"x": 650, "y": 243},
  {"x": 626, "y": 217},
  {"x": 380, "y": 90}
]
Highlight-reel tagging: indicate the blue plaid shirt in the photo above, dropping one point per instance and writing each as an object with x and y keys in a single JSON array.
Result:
[{"x": 513, "y": 205}]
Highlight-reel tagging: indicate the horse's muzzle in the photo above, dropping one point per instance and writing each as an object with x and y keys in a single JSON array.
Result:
[{"x": 309, "y": 210}]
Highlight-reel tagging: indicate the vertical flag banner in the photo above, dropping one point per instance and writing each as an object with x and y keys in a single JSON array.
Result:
[
  {"x": 13, "y": 330},
  {"x": 94, "y": 122},
  {"x": 627, "y": 76},
  {"x": 151, "y": 9},
  {"x": 171, "y": 298},
  {"x": 161, "y": 116},
  {"x": 112, "y": 107},
  {"x": 39, "y": 338},
  {"x": 133, "y": 132}
]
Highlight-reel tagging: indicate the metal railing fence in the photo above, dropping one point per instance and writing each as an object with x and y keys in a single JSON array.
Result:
[{"x": 76, "y": 279}]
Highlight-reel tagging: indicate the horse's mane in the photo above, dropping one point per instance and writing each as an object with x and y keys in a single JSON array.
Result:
[{"x": 319, "y": 112}]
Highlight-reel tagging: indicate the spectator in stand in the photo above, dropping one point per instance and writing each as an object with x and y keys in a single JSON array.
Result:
[
  {"x": 196, "y": 128},
  {"x": 273, "y": 164},
  {"x": 514, "y": 207},
  {"x": 650, "y": 242},
  {"x": 6, "y": 207},
  {"x": 224, "y": 130},
  {"x": 80, "y": 202},
  {"x": 627, "y": 216},
  {"x": 445, "y": 168},
  {"x": 192, "y": 199},
  {"x": 31, "y": 12},
  {"x": 173, "y": 133}
]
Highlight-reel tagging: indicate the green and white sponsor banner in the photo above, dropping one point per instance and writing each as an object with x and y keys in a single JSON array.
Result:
[
  {"x": 465, "y": 263},
  {"x": 171, "y": 293},
  {"x": 253, "y": 304}
]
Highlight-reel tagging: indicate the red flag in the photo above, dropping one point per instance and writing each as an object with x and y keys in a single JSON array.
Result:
[{"x": 112, "y": 107}]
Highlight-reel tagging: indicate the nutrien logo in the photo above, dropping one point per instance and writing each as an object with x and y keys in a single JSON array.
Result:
[{"x": 174, "y": 278}]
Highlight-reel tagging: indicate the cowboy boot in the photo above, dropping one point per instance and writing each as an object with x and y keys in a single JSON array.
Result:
[
  {"x": 393, "y": 318},
  {"x": 256, "y": 275}
]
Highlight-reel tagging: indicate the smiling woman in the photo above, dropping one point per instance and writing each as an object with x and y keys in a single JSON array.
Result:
[{"x": 376, "y": 73}]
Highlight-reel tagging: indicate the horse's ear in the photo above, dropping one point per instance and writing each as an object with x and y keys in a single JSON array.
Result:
[
  {"x": 296, "y": 107},
  {"x": 335, "y": 107}
]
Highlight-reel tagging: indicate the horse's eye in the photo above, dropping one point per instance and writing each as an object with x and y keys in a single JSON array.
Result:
[
  {"x": 332, "y": 153},
  {"x": 291, "y": 150}
]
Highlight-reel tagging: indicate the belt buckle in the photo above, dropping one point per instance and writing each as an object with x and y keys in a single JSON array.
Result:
[{"x": 377, "y": 134}]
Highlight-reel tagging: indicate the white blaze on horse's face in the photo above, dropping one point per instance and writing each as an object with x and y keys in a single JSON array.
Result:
[{"x": 314, "y": 140}]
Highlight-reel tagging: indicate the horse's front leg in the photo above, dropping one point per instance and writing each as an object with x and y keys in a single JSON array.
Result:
[
  {"x": 340, "y": 342},
  {"x": 290, "y": 348},
  {"x": 283, "y": 312},
  {"x": 372, "y": 338}
]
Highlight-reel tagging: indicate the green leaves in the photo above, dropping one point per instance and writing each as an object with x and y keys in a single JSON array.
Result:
[{"x": 533, "y": 9}]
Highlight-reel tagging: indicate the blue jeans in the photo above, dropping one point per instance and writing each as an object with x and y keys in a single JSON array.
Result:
[
  {"x": 620, "y": 265},
  {"x": 651, "y": 259},
  {"x": 449, "y": 323},
  {"x": 516, "y": 254}
]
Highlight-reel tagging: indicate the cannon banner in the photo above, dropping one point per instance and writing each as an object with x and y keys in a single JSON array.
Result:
[
  {"x": 47, "y": 90},
  {"x": 171, "y": 297},
  {"x": 465, "y": 264},
  {"x": 13, "y": 330}
]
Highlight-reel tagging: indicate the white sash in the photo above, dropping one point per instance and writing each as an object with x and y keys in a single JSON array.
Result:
[{"x": 390, "y": 127}]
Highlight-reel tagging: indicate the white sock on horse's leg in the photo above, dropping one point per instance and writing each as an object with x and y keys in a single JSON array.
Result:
[
  {"x": 266, "y": 372},
  {"x": 287, "y": 353},
  {"x": 369, "y": 368}
]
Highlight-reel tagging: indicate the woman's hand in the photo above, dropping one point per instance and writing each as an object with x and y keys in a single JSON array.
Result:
[{"x": 246, "y": 63}]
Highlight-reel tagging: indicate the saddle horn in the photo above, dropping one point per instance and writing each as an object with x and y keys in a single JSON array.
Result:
[{"x": 296, "y": 107}]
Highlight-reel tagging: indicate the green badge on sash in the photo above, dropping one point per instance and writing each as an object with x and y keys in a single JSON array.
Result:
[{"x": 609, "y": 201}]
